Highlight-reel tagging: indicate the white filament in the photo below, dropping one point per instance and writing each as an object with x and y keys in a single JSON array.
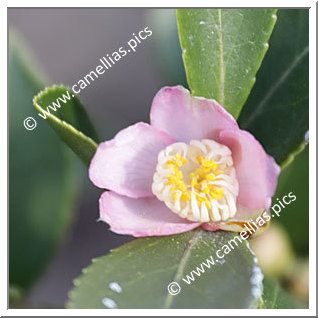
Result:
[{"x": 220, "y": 209}]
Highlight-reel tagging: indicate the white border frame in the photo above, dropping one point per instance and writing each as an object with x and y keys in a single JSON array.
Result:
[{"x": 312, "y": 163}]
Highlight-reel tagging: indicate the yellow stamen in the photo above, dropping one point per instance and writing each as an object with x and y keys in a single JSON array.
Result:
[{"x": 199, "y": 180}]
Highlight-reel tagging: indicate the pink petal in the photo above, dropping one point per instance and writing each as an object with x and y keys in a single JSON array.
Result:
[
  {"x": 256, "y": 172},
  {"x": 127, "y": 163},
  {"x": 187, "y": 118},
  {"x": 140, "y": 217},
  {"x": 210, "y": 227}
]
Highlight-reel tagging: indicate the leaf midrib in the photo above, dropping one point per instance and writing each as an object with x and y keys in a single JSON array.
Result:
[
  {"x": 275, "y": 297},
  {"x": 180, "y": 269},
  {"x": 284, "y": 75},
  {"x": 221, "y": 60}
]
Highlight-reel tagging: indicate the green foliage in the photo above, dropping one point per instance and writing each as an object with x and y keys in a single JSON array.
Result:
[
  {"x": 43, "y": 180},
  {"x": 144, "y": 268},
  {"x": 222, "y": 51},
  {"x": 69, "y": 121},
  {"x": 295, "y": 216},
  {"x": 276, "y": 112}
]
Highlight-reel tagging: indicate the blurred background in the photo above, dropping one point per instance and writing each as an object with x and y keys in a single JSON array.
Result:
[{"x": 54, "y": 231}]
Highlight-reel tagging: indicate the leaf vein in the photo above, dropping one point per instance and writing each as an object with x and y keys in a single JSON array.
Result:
[
  {"x": 275, "y": 87},
  {"x": 180, "y": 269},
  {"x": 221, "y": 61}
]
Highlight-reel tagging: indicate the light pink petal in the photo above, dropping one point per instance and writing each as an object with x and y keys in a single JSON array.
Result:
[
  {"x": 127, "y": 163},
  {"x": 256, "y": 172},
  {"x": 187, "y": 118},
  {"x": 210, "y": 227},
  {"x": 140, "y": 217}
]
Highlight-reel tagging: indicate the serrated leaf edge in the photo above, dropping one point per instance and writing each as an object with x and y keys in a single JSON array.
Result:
[{"x": 58, "y": 120}]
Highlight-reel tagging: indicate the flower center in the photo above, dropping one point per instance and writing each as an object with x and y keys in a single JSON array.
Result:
[{"x": 197, "y": 180}]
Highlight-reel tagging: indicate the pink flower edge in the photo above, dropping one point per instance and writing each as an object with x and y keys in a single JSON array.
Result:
[
  {"x": 140, "y": 217},
  {"x": 126, "y": 163},
  {"x": 257, "y": 172},
  {"x": 187, "y": 118}
]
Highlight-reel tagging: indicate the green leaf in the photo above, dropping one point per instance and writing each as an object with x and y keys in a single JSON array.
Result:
[
  {"x": 43, "y": 179},
  {"x": 144, "y": 267},
  {"x": 276, "y": 112},
  {"x": 295, "y": 216},
  {"x": 70, "y": 121},
  {"x": 275, "y": 297},
  {"x": 15, "y": 296},
  {"x": 222, "y": 51}
]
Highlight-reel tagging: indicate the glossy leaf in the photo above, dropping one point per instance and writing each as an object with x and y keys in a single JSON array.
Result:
[
  {"x": 295, "y": 216},
  {"x": 69, "y": 121},
  {"x": 43, "y": 179},
  {"x": 222, "y": 51},
  {"x": 277, "y": 109},
  {"x": 275, "y": 297},
  {"x": 142, "y": 269}
]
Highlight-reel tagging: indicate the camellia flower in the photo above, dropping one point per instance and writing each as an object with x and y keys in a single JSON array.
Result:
[{"x": 192, "y": 166}]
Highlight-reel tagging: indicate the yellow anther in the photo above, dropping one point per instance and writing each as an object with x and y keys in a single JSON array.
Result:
[
  {"x": 186, "y": 196},
  {"x": 172, "y": 180},
  {"x": 177, "y": 161},
  {"x": 207, "y": 203},
  {"x": 202, "y": 199},
  {"x": 171, "y": 163},
  {"x": 207, "y": 163},
  {"x": 199, "y": 180},
  {"x": 175, "y": 196},
  {"x": 201, "y": 172},
  {"x": 217, "y": 193},
  {"x": 180, "y": 159},
  {"x": 218, "y": 172},
  {"x": 205, "y": 190},
  {"x": 194, "y": 179},
  {"x": 199, "y": 159},
  {"x": 210, "y": 176},
  {"x": 182, "y": 186},
  {"x": 178, "y": 173}
]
